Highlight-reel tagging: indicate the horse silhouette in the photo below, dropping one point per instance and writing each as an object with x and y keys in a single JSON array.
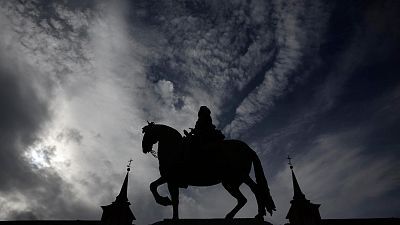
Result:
[{"x": 227, "y": 162}]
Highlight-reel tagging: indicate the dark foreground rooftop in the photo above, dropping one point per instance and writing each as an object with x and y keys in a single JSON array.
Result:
[
  {"x": 239, "y": 221},
  {"x": 51, "y": 222}
]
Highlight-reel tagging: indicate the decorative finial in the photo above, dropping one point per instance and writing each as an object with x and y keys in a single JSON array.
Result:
[
  {"x": 128, "y": 167},
  {"x": 290, "y": 162}
]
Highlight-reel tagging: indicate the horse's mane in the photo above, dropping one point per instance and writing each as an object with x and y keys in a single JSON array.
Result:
[{"x": 169, "y": 130}]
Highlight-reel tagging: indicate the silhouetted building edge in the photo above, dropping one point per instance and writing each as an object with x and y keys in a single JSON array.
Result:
[
  {"x": 302, "y": 211},
  {"x": 119, "y": 212}
]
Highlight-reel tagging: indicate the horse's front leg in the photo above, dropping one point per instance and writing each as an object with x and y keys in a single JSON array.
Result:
[
  {"x": 174, "y": 191},
  {"x": 162, "y": 200}
]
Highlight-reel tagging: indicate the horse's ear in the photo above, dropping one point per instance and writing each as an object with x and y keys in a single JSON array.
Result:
[{"x": 148, "y": 122}]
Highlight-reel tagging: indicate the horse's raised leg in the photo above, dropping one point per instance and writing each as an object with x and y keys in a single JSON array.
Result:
[
  {"x": 162, "y": 200},
  {"x": 174, "y": 191},
  {"x": 260, "y": 204},
  {"x": 234, "y": 190}
]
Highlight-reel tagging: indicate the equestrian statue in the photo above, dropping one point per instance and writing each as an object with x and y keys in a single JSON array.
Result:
[{"x": 204, "y": 158}]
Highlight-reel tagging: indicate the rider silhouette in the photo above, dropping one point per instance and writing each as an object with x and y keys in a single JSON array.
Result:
[{"x": 204, "y": 130}]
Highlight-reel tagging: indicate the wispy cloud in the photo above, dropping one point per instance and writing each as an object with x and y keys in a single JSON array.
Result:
[
  {"x": 213, "y": 53},
  {"x": 296, "y": 25},
  {"x": 338, "y": 174}
]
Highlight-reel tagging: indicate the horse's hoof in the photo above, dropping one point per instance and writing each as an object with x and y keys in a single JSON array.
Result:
[
  {"x": 165, "y": 201},
  {"x": 259, "y": 217},
  {"x": 229, "y": 216}
]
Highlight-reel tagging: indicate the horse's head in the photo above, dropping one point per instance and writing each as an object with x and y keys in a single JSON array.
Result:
[{"x": 150, "y": 137}]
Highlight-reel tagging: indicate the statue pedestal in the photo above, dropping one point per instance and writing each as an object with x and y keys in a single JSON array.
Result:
[{"x": 239, "y": 221}]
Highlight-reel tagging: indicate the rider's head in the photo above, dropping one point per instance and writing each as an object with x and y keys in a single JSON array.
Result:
[{"x": 204, "y": 111}]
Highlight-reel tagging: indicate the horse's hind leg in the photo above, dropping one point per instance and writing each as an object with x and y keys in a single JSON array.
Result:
[
  {"x": 254, "y": 188},
  {"x": 234, "y": 190},
  {"x": 174, "y": 192},
  {"x": 162, "y": 200}
]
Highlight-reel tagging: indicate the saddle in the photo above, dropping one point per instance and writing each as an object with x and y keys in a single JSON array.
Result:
[
  {"x": 202, "y": 143},
  {"x": 202, "y": 136},
  {"x": 197, "y": 151}
]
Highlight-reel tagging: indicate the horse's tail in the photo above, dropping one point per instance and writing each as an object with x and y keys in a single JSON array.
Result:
[{"x": 263, "y": 184}]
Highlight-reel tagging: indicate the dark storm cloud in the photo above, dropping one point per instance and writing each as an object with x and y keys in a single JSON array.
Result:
[
  {"x": 55, "y": 36},
  {"x": 22, "y": 115},
  {"x": 25, "y": 215},
  {"x": 29, "y": 190}
]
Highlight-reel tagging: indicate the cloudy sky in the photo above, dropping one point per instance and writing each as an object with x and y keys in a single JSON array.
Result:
[{"x": 316, "y": 80}]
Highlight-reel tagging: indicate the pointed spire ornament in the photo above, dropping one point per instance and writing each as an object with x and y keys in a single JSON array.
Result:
[
  {"x": 123, "y": 194},
  {"x": 119, "y": 212},
  {"x": 297, "y": 193},
  {"x": 302, "y": 211}
]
